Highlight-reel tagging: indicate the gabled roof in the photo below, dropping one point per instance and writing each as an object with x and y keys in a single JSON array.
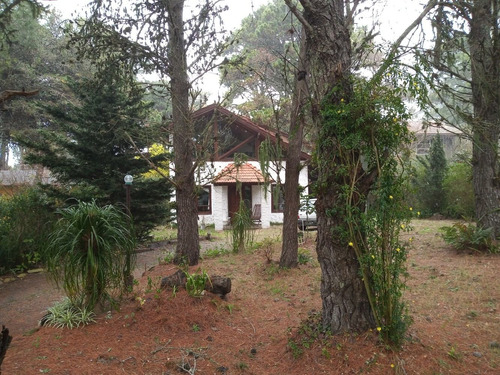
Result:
[
  {"x": 245, "y": 173},
  {"x": 245, "y": 123}
]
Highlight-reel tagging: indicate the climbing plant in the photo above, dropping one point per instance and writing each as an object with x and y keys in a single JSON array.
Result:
[{"x": 366, "y": 131}]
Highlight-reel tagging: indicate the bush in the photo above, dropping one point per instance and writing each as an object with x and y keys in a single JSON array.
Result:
[
  {"x": 25, "y": 221},
  {"x": 90, "y": 253},
  {"x": 459, "y": 191},
  {"x": 468, "y": 236}
]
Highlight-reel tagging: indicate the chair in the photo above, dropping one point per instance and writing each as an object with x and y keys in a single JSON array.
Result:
[{"x": 256, "y": 213}]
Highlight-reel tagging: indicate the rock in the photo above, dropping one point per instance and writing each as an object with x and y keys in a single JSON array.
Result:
[
  {"x": 35, "y": 270},
  {"x": 477, "y": 354},
  {"x": 219, "y": 285},
  {"x": 494, "y": 344},
  {"x": 175, "y": 280}
]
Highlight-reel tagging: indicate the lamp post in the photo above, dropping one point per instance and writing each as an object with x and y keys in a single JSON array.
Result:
[{"x": 128, "y": 183}]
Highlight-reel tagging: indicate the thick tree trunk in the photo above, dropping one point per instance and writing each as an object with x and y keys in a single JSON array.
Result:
[
  {"x": 485, "y": 69},
  {"x": 346, "y": 306},
  {"x": 188, "y": 249},
  {"x": 289, "y": 251}
]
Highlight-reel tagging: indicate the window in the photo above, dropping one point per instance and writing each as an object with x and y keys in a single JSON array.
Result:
[
  {"x": 277, "y": 198},
  {"x": 205, "y": 200}
]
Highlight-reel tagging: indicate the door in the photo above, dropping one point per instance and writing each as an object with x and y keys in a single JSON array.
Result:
[{"x": 233, "y": 198}]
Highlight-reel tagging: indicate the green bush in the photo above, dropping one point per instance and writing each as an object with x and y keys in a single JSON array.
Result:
[
  {"x": 25, "y": 220},
  {"x": 468, "y": 236},
  {"x": 90, "y": 253},
  {"x": 459, "y": 191}
]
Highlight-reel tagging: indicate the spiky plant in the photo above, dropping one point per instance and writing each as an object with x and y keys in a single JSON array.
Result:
[{"x": 90, "y": 253}]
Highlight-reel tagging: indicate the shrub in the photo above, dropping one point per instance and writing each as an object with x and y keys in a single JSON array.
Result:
[
  {"x": 90, "y": 253},
  {"x": 468, "y": 236},
  {"x": 459, "y": 191},
  {"x": 25, "y": 220}
]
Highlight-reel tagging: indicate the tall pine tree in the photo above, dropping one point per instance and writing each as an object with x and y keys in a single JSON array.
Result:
[
  {"x": 88, "y": 148},
  {"x": 430, "y": 185}
]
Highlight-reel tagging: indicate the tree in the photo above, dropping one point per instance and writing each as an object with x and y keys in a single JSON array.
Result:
[
  {"x": 265, "y": 59},
  {"x": 360, "y": 126},
  {"x": 7, "y": 8},
  {"x": 154, "y": 37},
  {"x": 87, "y": 148},
  {"x": 35, "y": 67},
  {"x": 430, "y": 187},
  {"x": 463, "y": 69}
]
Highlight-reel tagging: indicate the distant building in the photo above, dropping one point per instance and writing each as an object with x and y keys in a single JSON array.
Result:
[{"x": 453, "y": 142}]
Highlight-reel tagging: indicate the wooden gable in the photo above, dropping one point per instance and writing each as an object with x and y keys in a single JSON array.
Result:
[{"x": 231, "y": 133}]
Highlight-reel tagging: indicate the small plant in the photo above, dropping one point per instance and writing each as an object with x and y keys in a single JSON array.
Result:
[
  {"x": 215, "y": 252},
  {"x": 304, "y": 257},
  {"x": 268, "y": 245},
  {"x": 469, "y": 237},
  {"x": 195, "y": 328},
  {"x": 195, "y": 283},
  {"x": 241, "y": 223},
  {"x": 66, "y": 315}
]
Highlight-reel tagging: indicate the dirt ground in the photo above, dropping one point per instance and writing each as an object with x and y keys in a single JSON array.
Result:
[{"x": 453, "y": 299}]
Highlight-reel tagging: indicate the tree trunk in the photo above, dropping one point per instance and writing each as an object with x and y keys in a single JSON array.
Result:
[
  {"x": 289, "y": 251},
  {"x": 346, "y": 306},
  {"x": 188, "y": 249},
  {"x": 485, "y": 69}
]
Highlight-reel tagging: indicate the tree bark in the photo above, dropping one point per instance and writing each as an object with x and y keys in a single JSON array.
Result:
[
  {"x": 345, "y": 302},
  {"x": 485, "y": 69},
  {"x": 289, "y": 251},
  {"x": 188, "y": 247}
]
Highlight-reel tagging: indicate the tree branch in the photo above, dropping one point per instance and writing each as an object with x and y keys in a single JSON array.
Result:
[{"x": 397, "y": 43}]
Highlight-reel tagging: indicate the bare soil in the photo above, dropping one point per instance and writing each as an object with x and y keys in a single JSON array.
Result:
[{"x": 258, "y": 329}]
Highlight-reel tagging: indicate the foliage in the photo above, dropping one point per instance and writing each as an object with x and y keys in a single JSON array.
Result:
[
  {"x": 459, "y": 192},
  {"x": 90, "y": 254},
  {"x": 429, "y": 185},
  {"x": 241, "y": 223},
  {"x": 25, "y": 220},
  {"x": 469, "y": 236},
  {"x": 36, "y": 60},
  {"x": 8, "y": 28},
  {"x": 369, "y": 129},
  {"x": 89, "y": 149},
  {"x": 196, "y": 282},
  {"x": 263, "y": 63},
  {"x": 64, "y": 314}
]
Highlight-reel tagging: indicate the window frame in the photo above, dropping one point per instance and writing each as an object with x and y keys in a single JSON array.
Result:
[{"x": 209, "y": 210}]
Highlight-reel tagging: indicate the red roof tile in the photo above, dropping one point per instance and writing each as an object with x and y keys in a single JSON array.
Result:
[{"x": 246, "y": 173}]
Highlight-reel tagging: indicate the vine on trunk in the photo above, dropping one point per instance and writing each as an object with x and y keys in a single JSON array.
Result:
[{"x": 366, "y": 131}]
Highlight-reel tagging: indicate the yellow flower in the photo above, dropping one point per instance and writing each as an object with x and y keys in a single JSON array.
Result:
[
  {"x": 402, "y": 226},
  {"x": 342, "y": 100},
  {"x": 351, "y": 244},
  {"x": 373, "y": 256},
  {"x": 398, "y": 249},
  {"x": 418, "y": 213},
  {"x": 411, "y": 208},
  {"x": 390, "y": 197},
  {"x": 410, "y": 239},
  {"x": 392, "y": 365},
  {"x": 379, "y": 329}
]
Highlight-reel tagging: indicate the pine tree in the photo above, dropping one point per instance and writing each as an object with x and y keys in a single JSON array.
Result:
[
  {"x": 430, "y": 187},
  {"x": 88, "y": 149}
]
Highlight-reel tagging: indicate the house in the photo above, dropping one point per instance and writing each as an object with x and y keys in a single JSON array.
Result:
[
  {"x": 453, "y": 141},
  {"x": 224, "y": 138}
]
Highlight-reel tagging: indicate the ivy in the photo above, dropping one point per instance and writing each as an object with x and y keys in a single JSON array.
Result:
[{"x": 366, "y": 132}]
